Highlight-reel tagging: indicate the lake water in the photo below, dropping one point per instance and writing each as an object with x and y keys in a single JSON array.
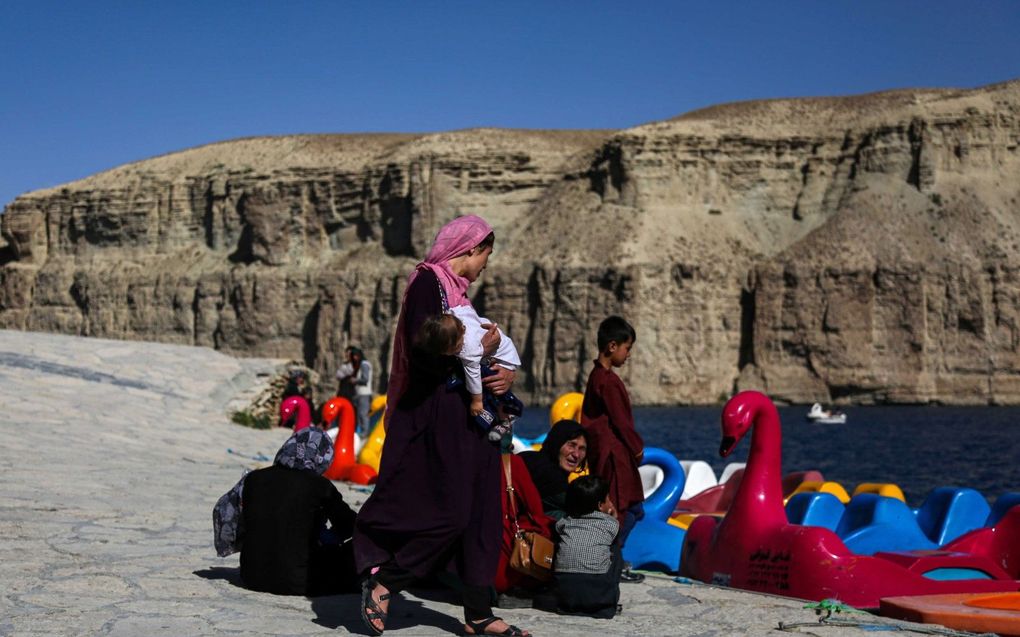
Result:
[{"x": 918, "y": 448}]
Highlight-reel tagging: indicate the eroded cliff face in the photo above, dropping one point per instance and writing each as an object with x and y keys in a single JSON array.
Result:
[{"x": 851, "y": 249}]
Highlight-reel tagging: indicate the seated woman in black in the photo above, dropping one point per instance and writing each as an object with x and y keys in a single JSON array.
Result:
[
  {"x": 286, "y": 548},
  {"x": 563, "y": 452}
]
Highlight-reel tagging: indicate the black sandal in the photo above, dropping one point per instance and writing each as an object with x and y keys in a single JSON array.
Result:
[
  {"x": 370, "y": 609},
  {"x": 478, "y": 628}
]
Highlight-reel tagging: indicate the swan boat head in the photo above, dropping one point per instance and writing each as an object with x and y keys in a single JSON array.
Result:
[
  {"x": 758, "y": 502},
  {"x": 738, "y": 416},
  {"x": 295, "y": 412}
]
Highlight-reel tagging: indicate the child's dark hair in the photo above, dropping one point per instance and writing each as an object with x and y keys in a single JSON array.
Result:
[
  {"x": 615, "y": 328},
  {"x": 438, "y": 334},
  {"x": 585, "y": 494}
]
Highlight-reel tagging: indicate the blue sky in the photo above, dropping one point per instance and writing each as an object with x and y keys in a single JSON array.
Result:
[{"x": 85, "y": 86}]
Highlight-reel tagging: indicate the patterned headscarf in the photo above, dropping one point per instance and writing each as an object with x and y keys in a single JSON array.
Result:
[
  {"x": 227, "y": 522},
  {"x": 454, "y": 239},
  {"x": 308, "y": 449}
]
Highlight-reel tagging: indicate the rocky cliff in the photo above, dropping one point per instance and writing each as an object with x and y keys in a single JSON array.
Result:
[{"x": 858, "y": 249}]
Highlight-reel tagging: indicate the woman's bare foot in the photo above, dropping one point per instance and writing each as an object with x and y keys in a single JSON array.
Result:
[{"x": 376, "y": 607}]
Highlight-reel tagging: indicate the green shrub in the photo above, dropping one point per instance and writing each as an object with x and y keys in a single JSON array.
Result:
[{"x": 245, "y": 419}]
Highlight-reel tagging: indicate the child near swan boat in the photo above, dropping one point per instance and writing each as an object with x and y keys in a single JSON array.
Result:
[{"x": 615, "y": 448}]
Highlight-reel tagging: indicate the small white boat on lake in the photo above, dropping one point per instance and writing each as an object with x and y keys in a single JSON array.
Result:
[{"x": 825, "y": 416}]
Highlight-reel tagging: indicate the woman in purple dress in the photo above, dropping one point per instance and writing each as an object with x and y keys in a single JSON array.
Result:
[{"x": 436, "y": 504}]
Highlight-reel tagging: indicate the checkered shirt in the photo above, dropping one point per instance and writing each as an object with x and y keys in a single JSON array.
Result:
[{"x": 585, "y": 543}]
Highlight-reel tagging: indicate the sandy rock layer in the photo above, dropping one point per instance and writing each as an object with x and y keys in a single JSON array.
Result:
[{"x": 856, "y": 249}]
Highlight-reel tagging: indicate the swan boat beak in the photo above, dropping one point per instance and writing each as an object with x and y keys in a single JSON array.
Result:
[{"x": 727, "y": 446}]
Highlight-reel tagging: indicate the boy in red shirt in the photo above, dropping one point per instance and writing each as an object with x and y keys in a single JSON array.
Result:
[{"x": 615, "y": 448}]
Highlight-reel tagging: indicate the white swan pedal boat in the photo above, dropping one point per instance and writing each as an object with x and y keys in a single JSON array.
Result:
[{"x": 825, "y": 416}]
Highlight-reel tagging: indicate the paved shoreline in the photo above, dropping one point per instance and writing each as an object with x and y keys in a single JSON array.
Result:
[{"x": 113, "y": 455}]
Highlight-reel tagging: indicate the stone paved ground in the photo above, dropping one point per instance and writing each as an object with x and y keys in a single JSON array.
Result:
[{"x": 112, "y": 455}]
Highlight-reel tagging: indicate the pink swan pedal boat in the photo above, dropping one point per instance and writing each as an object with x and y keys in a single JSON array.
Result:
[
  {"x": 295, "y": 409},
  {"x": 755, "y": 548}
]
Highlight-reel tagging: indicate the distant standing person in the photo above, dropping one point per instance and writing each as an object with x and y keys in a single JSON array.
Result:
[
  {"x": 615, "y": 448},
  {"x": 298, "y": 384},
  {"x": 355, "y": 385}
]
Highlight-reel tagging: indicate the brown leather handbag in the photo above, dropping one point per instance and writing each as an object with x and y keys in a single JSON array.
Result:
[{"x": 531, "y": 553}]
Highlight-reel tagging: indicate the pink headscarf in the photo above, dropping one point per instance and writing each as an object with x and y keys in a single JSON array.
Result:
[{"x": 454, "y": 239}]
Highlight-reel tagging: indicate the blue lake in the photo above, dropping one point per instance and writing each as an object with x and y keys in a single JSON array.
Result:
[{"x": 918, "y": 448}]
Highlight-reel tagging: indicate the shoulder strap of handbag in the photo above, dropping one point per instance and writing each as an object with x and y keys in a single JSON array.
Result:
[{"x": 510, "y": 491}]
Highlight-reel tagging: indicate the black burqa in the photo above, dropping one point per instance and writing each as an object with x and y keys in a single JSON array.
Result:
[
  {"x": 285, "y": 508},
  {"x": 436, "y": 503},
  {"x": 550, "y": 479}
]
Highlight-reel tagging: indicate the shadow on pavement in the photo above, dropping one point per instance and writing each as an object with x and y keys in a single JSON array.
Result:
[
  {"x": 345, "y": 610},
  {"x": 334, "y": 611},
  {"x": 230, "y": 574}
]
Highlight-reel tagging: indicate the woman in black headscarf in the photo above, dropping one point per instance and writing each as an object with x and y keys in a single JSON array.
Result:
[{"x": 564, "y": 451}]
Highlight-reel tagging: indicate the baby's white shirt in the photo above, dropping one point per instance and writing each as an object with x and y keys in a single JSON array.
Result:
[{"x": 471, "y": 354}]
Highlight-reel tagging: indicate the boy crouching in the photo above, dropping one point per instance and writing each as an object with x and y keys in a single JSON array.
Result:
[{"x": 588, "y": 561}]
